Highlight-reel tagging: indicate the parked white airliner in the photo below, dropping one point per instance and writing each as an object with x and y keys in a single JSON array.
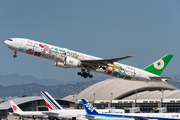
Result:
[
  {"x": 91, "y": 112},
  {"x": 55, "y": 110},
  {"x": 26, "y": 114},
  {"x": 65, "y": 58}
]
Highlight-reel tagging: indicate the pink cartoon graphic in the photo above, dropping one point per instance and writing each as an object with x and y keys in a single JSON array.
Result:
[
  {"x": 46, "y": 51},
  {"x": 29, "y": 51}
]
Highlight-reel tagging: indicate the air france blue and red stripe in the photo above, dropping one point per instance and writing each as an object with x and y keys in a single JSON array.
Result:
[{"x": 54, "y": 105}]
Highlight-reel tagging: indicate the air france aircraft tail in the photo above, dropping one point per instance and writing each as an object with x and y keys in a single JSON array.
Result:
[
  {"x": 158, "y": 66},
  {"x": 50, "y": 102},
  {"x": 15, "y": 107}
]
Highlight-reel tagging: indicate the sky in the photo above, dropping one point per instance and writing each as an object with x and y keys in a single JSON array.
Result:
[{"x": 147, "y": 30}]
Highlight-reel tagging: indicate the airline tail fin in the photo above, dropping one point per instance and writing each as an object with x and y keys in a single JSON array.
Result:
[
  {"x": 15, "y": 107},
  {"x": 50, "y": 102},
  {"x": 88, "y": 108},
  {"x": 158, "y": 66}
]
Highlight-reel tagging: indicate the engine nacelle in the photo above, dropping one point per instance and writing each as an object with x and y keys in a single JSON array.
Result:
[
  {"x": 61, "y": 65},
  {"x": 164, "y": 80},
  {"x": 72, "y": 62}
]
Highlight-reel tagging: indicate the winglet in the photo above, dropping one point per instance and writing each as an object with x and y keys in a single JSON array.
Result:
[
  {"x": 89, "y": 108},
  {"x": 158, "y": 66},
  {"x": 50, "y": 102},
  {"x": 15, "y": 107}
]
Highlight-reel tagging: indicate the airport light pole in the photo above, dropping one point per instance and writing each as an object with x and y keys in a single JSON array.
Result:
[
  {"x": 162, "y": 97},
  {"x": 94, "y": 99},
  {"x": 111, "y": 98},
  {"x": 136, "y": 99}
]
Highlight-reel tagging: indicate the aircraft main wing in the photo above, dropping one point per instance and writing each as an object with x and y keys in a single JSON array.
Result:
[
  {"x": 95, "y": 63},
  {"x": 51, "y": 113},
  {"x": 139, "y": 118}
]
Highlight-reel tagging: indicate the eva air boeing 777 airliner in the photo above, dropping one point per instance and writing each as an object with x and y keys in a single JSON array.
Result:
[{"x": 65, "y": 58}]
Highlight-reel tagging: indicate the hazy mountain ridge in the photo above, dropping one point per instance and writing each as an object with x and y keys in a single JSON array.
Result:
[
  {"x": 58, "y": 90},
  {"x": 15, "y": 79}
]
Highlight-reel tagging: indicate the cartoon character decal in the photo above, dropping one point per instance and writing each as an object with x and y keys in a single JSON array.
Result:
[
  {"x": 129, "y": 73},
  {"x": 109, "y": 69},
  {"x": 30, "y": 51},
  {"x": 37, "y": 49},
  {"x": 46, "y": 52},
  {"x": 116, "y": 70},
  {"x": 122, "y": 73},
  {"x": 53, "y": 52}
]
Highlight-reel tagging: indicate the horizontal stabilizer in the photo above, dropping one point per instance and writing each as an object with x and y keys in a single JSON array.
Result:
[{"x": 160, "y": 78}]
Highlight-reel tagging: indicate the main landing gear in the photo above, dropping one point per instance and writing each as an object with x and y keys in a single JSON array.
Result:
[
  {"x": 15, "y": 54},
  {"x": 85, "y": 74}
]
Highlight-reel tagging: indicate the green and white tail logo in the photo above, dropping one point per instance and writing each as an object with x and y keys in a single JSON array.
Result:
[{"x": 158, "y": 66}]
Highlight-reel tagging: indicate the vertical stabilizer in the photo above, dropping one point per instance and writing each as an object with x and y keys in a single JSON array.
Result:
[
  {"x": 15, "y": 107},
  {"x": 158, "y": 66},
  {"x": 89, "y": 108},
  {"x": 50, "y": 102}
]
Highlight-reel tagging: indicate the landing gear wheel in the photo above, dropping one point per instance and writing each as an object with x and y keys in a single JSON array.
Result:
[
  {"x": 14, "y": 56},
  {"x": 79, "y": 73},
  {"x": 90, "y": 76},
  {"x": 85, "y": 76}
]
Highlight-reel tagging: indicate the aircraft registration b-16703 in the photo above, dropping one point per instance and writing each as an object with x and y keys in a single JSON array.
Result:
[{"x": 65, "y": 58}]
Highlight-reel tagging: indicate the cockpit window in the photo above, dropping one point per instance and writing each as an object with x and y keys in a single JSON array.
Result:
[{"x": 10, "y": 39}]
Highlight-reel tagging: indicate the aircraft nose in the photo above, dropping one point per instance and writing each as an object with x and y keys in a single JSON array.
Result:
[{"x": 6, "y": 42}]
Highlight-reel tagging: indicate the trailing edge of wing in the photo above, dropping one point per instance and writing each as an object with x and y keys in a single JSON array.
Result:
[
  {"x": 105, "y": 61},
  {"x": 139, "y": 118}
]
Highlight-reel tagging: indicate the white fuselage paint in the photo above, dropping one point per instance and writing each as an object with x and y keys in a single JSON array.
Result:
[
  {"x": 54, "y": 53},
  {"x": 31, "y": 114},
  {"x": 80, "y": 114}
]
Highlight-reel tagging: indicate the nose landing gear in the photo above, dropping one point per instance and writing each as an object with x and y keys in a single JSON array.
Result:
[
  {"x": 85, "y": 74},
  {"x": 15, "y": 54}
]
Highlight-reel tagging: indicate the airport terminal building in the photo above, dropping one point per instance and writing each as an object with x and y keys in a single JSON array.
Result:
[
  {"x": 116, "y": 93},
  {"x": 121, "y": 94}
]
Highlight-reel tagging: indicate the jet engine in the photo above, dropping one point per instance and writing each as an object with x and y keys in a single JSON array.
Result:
[
  {"x": 164, "y": 80},
  {"x": 61, "y": 65},
  {"x": 72, "y": 62},
  {"x": 68, "y": 62}
]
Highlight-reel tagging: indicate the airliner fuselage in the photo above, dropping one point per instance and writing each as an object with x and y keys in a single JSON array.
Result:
[{"x": 65, "y": 58}]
